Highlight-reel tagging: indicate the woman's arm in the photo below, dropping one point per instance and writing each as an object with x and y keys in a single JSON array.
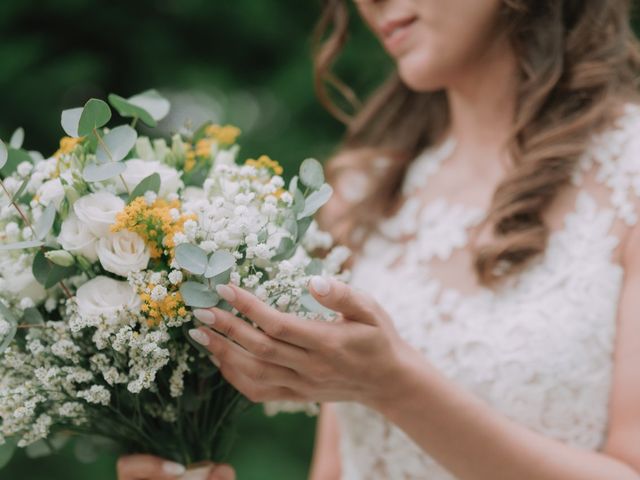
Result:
[
  {"x": 476, "y": 443},
  {"x": 326, "y": 455}
]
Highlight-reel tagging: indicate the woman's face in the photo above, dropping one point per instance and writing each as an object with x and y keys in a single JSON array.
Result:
[{"x": 434, "y": 42}]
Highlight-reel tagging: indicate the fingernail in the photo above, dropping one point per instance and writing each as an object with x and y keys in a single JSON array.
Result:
[
  {"x": 205, "y": 316},
  {"x": 320, "y": 285},
  {"x": 172, "y": 468},
  {"x": 199, "y": 336},
  {"x": 226, "y": 292},
  {"x": 214, "y": 360}
]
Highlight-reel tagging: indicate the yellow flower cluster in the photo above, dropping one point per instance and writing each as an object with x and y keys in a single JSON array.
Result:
[
  {"x": 154, "y": 223},
  {"x": 225, "y": 135},
  {"x": 170, "y": 306},
  {"x": 265, "y": 162}
]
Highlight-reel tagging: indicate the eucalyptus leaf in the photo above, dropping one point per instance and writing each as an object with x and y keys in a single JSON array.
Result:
[
  {"x": 38, "y": 449},
  {"x": 45, "y": 222},
  {"x": 221, "y": 279},
  {"x": 98, "y": 173},
  {"x": 95, "y": 114},
  {"x": 15, "y": 156},
  {"x": 20, "y": 190},
  {"x": 48, "y": 273},
  {"x": 118, "y": 142},
  {"x": 22, "y": 245},
  {"x": 293, "y": 185},
  {"x": 192, "y": 258},
  {"x": 17, "y": 139},
  {"x": 129, "y": 110},
  {"x": 314, "y": 267},
  {"x": 316, "y": 200},
  {"x": 150, "y": 183},
  {"x": 285, "y": 250},
  {"x": 7, "y": 450},
  {"x": 292, "y": 226},
  {"x": 312, "y": 305},
  {"x": 70, "y": 119},
  {"x": 152, "y": 102},
  {"x": 32, "y": 316},
  {"x": 4, "y": 154},
  {"x": 7, "y": 314},
  {"x": 220, "y": 262},
  {"x": 298, "y": 201},
  {"x": 303, "y": 226},
  {"x": 311, "y": 173},
  {"x": 198, "y": 295}
]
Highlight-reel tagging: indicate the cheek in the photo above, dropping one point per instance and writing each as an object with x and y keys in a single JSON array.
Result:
[{"x": 445, "y": 48}]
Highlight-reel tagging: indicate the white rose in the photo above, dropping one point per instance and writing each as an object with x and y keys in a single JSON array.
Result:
[
  {"x": 76, "y": 238},
  {"x": 123, "y": 252},
  {"x": 51, "y": 192},
  {"x": 97, "y": 211},
  {"x": 138, "y": 169},
  {"x": 105, "y": 296}
]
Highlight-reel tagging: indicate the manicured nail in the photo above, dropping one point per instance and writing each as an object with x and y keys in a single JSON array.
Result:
[
  {"x": 171, "y": 468},
  {"x": 226, "y": 292},
  {"x": 320, "y": 285},
  {"x": 199, "y": 336},
  {"x": 205, "y": 316},
  {"x": 214, "y": 360}
]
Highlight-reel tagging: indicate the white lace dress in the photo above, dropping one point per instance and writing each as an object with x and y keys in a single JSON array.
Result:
[{"x": 540, "y": 350}]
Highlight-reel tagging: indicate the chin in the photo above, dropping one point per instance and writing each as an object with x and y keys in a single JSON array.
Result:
[{"x": 420, "y": 75}]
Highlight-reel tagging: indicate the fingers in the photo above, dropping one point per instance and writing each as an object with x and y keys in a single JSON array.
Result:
[
  {"x": 222, "y": 472},
  {"x": 283, "y": 326},
  {"x": 340, "y": 297},
  {"x": 251, "y": 338},
  {"x": 228, "y": 353},
  {"x": 143, "y": 467}
]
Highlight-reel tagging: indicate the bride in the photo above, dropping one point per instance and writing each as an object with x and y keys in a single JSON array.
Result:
[{"x": 491, "y": 192}]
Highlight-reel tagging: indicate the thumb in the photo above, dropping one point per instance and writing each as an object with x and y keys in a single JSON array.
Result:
[{"x": 340, "y": 297}]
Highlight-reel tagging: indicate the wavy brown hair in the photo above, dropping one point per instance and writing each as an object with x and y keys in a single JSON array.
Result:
[{"x": 577, "y": 60}]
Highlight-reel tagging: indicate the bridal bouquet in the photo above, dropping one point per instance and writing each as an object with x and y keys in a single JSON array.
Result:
[{"x": 105, "y": 247}]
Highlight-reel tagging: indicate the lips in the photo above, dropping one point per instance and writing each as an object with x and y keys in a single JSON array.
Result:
[{"x": 395, "y": 31}]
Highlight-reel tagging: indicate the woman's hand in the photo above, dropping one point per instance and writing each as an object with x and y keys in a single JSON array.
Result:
[
  {"x": 148, "y": 467},
  {"x": 357, "y": 358}
]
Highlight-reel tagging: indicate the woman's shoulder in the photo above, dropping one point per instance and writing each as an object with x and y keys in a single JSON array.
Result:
[{"x": 613, "y": 158}]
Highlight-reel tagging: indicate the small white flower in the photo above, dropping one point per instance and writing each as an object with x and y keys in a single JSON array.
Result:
[
  {"x": 26, "y": 302},
  {"x": 24, "y": 168},
  {"x": 175, "y": 277},
  {"x": 150, "y": 197},
  {"x": 158, "y": 293}
]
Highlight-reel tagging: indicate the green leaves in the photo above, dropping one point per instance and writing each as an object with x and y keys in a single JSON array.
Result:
[
  {"x": 98, "y": 173},
  {"x": 78, "y": 122},
  {"x": 147, "y": 184},
  {"x": 148, "y": 106},
  {"x": 6, "y": 452},
  {"x": 311, "y": 173},
  {"x": 198, "y": 295},
  {"x": 4, "y": 154},
  {"x": 95, "y": 114},
  {"x": 17, "y": 139},
  {"x": 286, "y": 249},
  {"x": 48, "y": 273},
  {"x": 15, "y": 157},
  {"x": 191, "y": 258},
  {"x": 45, "y": 222},
  {"x": 220, "y": 262},
  {"x": 116, "y": 144},
  {"x": 314, "y": 201}
]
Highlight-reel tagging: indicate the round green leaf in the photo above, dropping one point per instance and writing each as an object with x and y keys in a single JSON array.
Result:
[
  {"x": 4, "y": 154},
  {"x": 152, "y": 102},
  {"x": 45, "y": 222},
  {"x": 198, "y": 295},
  {"x": 6, "y": 452},
  {"x": 129, "y": 110},
  {"x": 219, "y": 262},
  {"x": 192, "y": 258},
  {"x": 285, "y": 250},
  {"x": 311, "y": 173},
  {"x": 314, "y": 201},
  {"x": 48, "y": 273},
  {"x": 70, "y": 119},
  {"x": 15, "y": 156},
  {"x": 98, "y": 173},
  {"x": 95, "y": 114},
  {"x": 32, "y": 316},
  {"x": 150, "y": 183},
  {"x": 17, "y": 139},
  {"x": 119, "y": 143}
]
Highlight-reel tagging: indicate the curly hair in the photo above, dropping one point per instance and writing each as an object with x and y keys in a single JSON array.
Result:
[{"x": 577, "y": 61}]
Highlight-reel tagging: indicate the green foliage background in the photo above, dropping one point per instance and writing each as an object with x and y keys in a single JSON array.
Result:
[{"x": 244, "y": 61}]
